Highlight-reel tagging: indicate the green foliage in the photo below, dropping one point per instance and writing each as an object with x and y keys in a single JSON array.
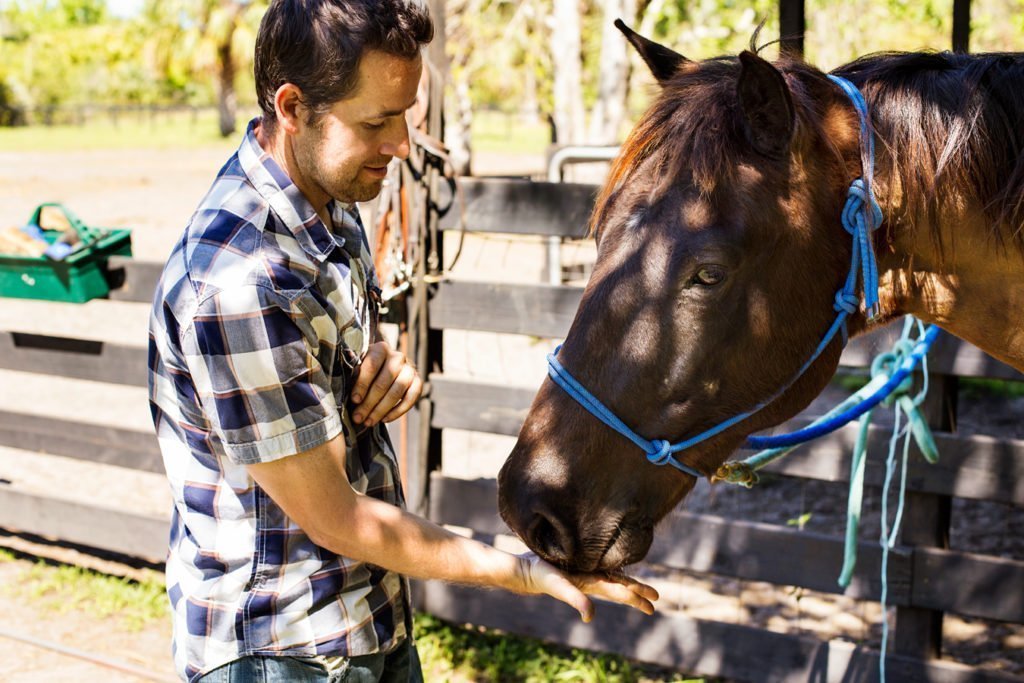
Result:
[
  {"x": 839, "y": 32},
  {"x": 850, "y": 381},
  {"x": 70, "y": 53},
  {"x": 451, "y": 653},
  {"x": 508, "y": 133}
]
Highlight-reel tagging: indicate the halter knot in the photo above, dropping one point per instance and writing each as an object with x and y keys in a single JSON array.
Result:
[
  {"x": 660, "y": 452},
  {"x": 854, "y": 215},
  {"x": 846, "y": 301},
  {"x": 861, "y": 216}
]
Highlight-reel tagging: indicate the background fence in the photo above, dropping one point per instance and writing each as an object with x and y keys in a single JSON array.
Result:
[{"x": 927, "y": 579}]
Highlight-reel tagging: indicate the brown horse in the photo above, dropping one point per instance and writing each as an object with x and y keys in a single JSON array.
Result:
[{"x": 720, "y": 250}]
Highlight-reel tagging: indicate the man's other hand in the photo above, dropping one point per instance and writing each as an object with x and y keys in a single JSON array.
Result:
[
  {"x": 387, "y": 386},
  {"x": 573, "y": 589}
]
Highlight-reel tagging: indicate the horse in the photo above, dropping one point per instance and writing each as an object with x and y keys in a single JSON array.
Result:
[{"x": 719, "y": 254}]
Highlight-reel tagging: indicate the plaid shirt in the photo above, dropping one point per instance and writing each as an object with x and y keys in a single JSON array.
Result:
[{"x": 259, "y": 321}]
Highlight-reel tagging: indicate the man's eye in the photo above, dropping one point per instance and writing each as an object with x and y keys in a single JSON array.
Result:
[{"x": 373, "y": 126}]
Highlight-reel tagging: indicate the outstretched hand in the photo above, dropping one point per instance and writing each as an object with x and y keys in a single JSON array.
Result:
[
  {"x": 386, "y": 387},
  {"x": 573, "y": 589}
]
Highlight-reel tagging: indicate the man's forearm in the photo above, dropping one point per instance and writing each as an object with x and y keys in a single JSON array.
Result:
[{"x": 389, "y": 537}]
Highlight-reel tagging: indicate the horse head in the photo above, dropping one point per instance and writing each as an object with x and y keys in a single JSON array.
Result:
[{"x": 720, "y": 251}]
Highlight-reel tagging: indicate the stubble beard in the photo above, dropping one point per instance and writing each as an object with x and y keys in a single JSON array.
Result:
[
  {"x": 344, "y": 185},
  {"x": 341, "y": 184}
]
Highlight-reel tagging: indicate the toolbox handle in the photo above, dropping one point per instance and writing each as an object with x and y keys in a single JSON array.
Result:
[{"x": 86, "y": 234}]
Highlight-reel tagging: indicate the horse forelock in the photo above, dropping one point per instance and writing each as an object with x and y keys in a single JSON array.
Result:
[
  {"x": 688, "y": 133},
  {"x": 693, "y": 134}
]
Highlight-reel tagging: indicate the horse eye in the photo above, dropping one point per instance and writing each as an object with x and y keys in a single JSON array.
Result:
[{"x": 709, "y": 276}]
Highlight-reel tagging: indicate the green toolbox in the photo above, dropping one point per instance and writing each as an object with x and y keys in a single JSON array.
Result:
[{"x": 70, "y": 262}]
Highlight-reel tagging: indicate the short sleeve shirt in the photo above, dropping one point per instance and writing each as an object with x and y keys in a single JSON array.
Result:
[{"x": 258, "y": 324}]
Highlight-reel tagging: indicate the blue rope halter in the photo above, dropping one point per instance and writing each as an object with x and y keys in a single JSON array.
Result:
[{"x": 861, "y": 216}]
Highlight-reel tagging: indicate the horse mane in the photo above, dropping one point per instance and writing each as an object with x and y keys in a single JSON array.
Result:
[
  {"x": 695, "y": 126},
  {"x": 690, "y": 122},
  {"x": 948, "y": 123},
  {"x": 951, "y": 125}
]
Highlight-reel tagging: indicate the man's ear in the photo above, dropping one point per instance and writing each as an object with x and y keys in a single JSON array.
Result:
[{"x": 289, "y": 108}]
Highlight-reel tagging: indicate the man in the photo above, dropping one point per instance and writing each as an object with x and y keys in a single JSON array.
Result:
[{"x": 269, "y": 385}]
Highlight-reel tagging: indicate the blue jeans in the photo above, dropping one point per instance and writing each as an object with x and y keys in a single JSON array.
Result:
[{"x": 401, "y": 665}]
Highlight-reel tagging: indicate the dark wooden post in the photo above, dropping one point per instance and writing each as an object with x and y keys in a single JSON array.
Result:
[
  {"x": 792, "y": 25},
  {"x": 926, "y": 520},
  {"x": 423, "y": 442},
  {"x": 961, "y": 25}
]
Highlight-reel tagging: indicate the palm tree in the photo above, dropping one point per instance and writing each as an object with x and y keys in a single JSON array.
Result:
[
  {"x": 229, "y": 28},
  {"x": 213, "y": 39}
]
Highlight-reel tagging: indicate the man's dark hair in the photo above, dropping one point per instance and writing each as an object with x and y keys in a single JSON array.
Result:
[{"x": 317, "y": 45}]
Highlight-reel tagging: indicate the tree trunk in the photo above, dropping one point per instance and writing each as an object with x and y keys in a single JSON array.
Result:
[
  {"x": 609, "y": 111},
  {"x": 565, "y": 59},
  {"x": 529, "y": 110},
  {"x": 227, "y": 101},
  {"x": 458, "y": 126}
]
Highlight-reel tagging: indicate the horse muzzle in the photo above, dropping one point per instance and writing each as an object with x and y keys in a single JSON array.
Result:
[{"x": 565, "y": 529}]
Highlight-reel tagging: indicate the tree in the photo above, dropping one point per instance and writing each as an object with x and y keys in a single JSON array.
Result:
[
  {"x": 566, "y": 62},
  {"x": 609, "y": 111},
  {"x": 222, "y": 22}
]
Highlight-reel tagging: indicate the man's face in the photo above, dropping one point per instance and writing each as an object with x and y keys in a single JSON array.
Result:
[{"x": 344, "y": 154}]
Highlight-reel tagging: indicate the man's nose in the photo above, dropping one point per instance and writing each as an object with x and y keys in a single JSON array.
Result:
[{"x": 398, "y": 144}]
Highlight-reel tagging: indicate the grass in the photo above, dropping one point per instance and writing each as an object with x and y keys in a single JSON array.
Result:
[
  {"x": 62, "y": 588},
  {"x": 499, "y": 132},
  {"x": 976, "y": 388},
  {"x": 177, "y": 130},
  {"x": 492, "y": 132},
  {"x": 457, "y": 654},
  {"x": 449, "y": 653}
]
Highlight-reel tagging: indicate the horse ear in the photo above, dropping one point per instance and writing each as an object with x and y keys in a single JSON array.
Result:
[
  {"x": 662, "y": 61},
  {"x": 768, "y": 112}
]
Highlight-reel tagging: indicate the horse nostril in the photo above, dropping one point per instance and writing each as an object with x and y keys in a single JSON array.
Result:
[{"x": 549, "y": 538}]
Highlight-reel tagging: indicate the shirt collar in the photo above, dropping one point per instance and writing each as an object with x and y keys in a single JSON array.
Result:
[{"x": 292, "y": 207}]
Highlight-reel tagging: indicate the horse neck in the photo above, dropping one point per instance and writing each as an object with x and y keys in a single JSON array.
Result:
[
  {"x": 942, "y": 259},
  {"x": 942, "y": 255}
]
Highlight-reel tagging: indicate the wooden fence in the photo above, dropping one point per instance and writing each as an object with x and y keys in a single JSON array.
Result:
[{"x": 926, "y": 578}]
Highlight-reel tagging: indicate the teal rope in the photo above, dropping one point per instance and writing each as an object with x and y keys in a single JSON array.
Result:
[
  {"x": 889, "y": 371},
  {"x": 855, "y": 501}
]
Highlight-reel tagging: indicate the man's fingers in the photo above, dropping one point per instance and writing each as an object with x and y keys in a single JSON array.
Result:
[
  {"x": 393, "y": 393},
  {"x": 642, "y": 589},
  {"x": 388, "y": 370},
  {"x": 634, "y": 596},
  {"x": 368, "y": 368},
  {"x": 412, "y": 395},
  {"x": 554, "y": 583},
  {"x": 562, "y": 589}
]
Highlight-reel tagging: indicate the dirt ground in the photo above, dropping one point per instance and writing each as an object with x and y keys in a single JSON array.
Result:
[{"x": 154, "y": 193}]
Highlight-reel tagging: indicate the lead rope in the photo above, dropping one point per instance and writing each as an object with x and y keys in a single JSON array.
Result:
[
  {"x": 891, "y": 384},
  {"x": 916, "y": 427}
]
